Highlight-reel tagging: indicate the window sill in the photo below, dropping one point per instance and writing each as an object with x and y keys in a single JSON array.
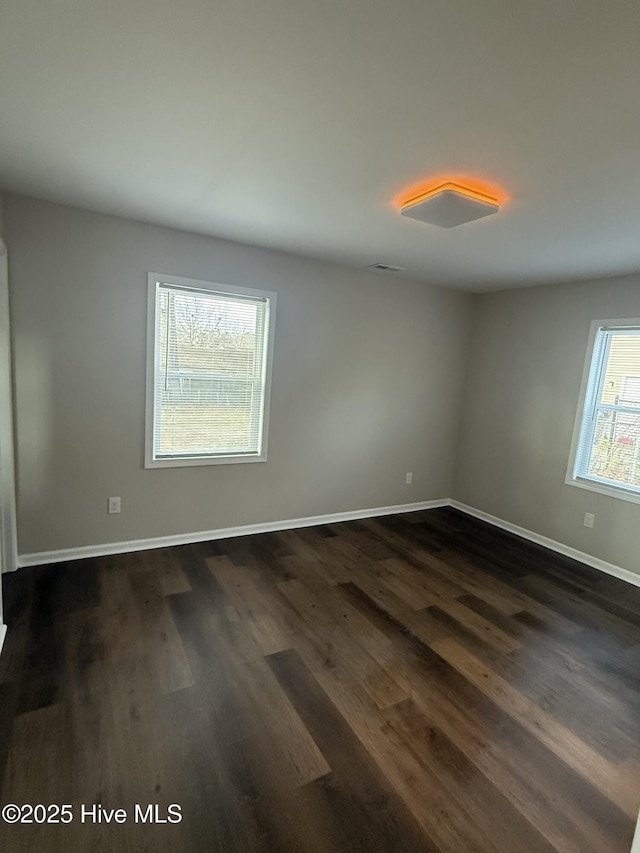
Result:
[
  {"x": 192, "y": 461},
  {"x": 604, "y": 489}
]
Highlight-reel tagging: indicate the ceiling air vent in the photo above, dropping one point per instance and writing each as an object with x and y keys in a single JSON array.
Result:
[{"x": 387, "y": 268}]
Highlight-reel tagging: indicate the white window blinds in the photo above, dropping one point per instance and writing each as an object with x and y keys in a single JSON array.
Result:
[
  {"x": 210, "y": 371},
  {"x": 609, "y": 445}
]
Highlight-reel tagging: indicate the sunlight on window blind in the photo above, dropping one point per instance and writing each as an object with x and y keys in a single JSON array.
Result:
[{"x": 209, "y": 373}]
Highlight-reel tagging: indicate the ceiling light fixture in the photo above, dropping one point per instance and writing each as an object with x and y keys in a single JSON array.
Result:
[{"x": 450, "y": 204}]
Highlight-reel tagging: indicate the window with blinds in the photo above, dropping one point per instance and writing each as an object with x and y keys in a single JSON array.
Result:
[
  {"x": 209, "y": 372},
  {"x": 608, "y": 447}
]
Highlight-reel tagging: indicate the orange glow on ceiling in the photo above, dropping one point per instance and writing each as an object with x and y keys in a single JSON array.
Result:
[{"x": 470, "y": 187}]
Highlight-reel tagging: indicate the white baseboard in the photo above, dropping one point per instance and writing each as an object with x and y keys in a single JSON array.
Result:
[
  {"x": 3, "y": 634},
  {"x": 551, "y": 544},
  {"x": 110, "y": 548}
]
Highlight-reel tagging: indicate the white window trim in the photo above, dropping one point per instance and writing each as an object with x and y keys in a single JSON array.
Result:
[
  {"x": 164, "y": 278},
  {"x": 603, "y": 487}
]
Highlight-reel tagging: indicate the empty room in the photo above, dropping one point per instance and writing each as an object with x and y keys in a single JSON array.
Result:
[{"x": 319, "y": 426}]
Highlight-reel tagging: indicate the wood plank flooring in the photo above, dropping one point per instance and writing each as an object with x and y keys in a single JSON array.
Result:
[{"x": 409, "y": 683}]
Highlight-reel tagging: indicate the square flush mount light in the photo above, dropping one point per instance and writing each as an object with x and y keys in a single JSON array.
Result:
[{"x": 449, "y": 205}]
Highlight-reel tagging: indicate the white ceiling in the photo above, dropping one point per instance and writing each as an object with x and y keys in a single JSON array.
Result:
[{"x": 294, "y": 123}]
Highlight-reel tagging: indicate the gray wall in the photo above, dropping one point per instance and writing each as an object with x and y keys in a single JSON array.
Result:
[
  {"x": 525, "y": 369},
  {"x": 4, "y": 410},
  {"x": 367, "y": 383},
  {"x": 7, "y": 486}
]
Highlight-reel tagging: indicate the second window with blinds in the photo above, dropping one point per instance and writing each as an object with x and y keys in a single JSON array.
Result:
[
  {"x": 605, "y": 454},
  {"x": 208, "y": 372}
]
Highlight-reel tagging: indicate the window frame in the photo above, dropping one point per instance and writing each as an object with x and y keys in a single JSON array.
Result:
[
  {"x": 199, "y": 285},
  {"x": 586, "y": 399}
]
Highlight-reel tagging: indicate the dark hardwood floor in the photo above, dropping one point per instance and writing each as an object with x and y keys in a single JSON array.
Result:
[{"x": 410, "y": 683}]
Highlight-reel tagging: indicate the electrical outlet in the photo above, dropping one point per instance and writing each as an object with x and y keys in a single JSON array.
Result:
[
  {"x": 114, "y": 506},
  {"x": 408, "y": 478},
  {"x": 589, "y": 519}
]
